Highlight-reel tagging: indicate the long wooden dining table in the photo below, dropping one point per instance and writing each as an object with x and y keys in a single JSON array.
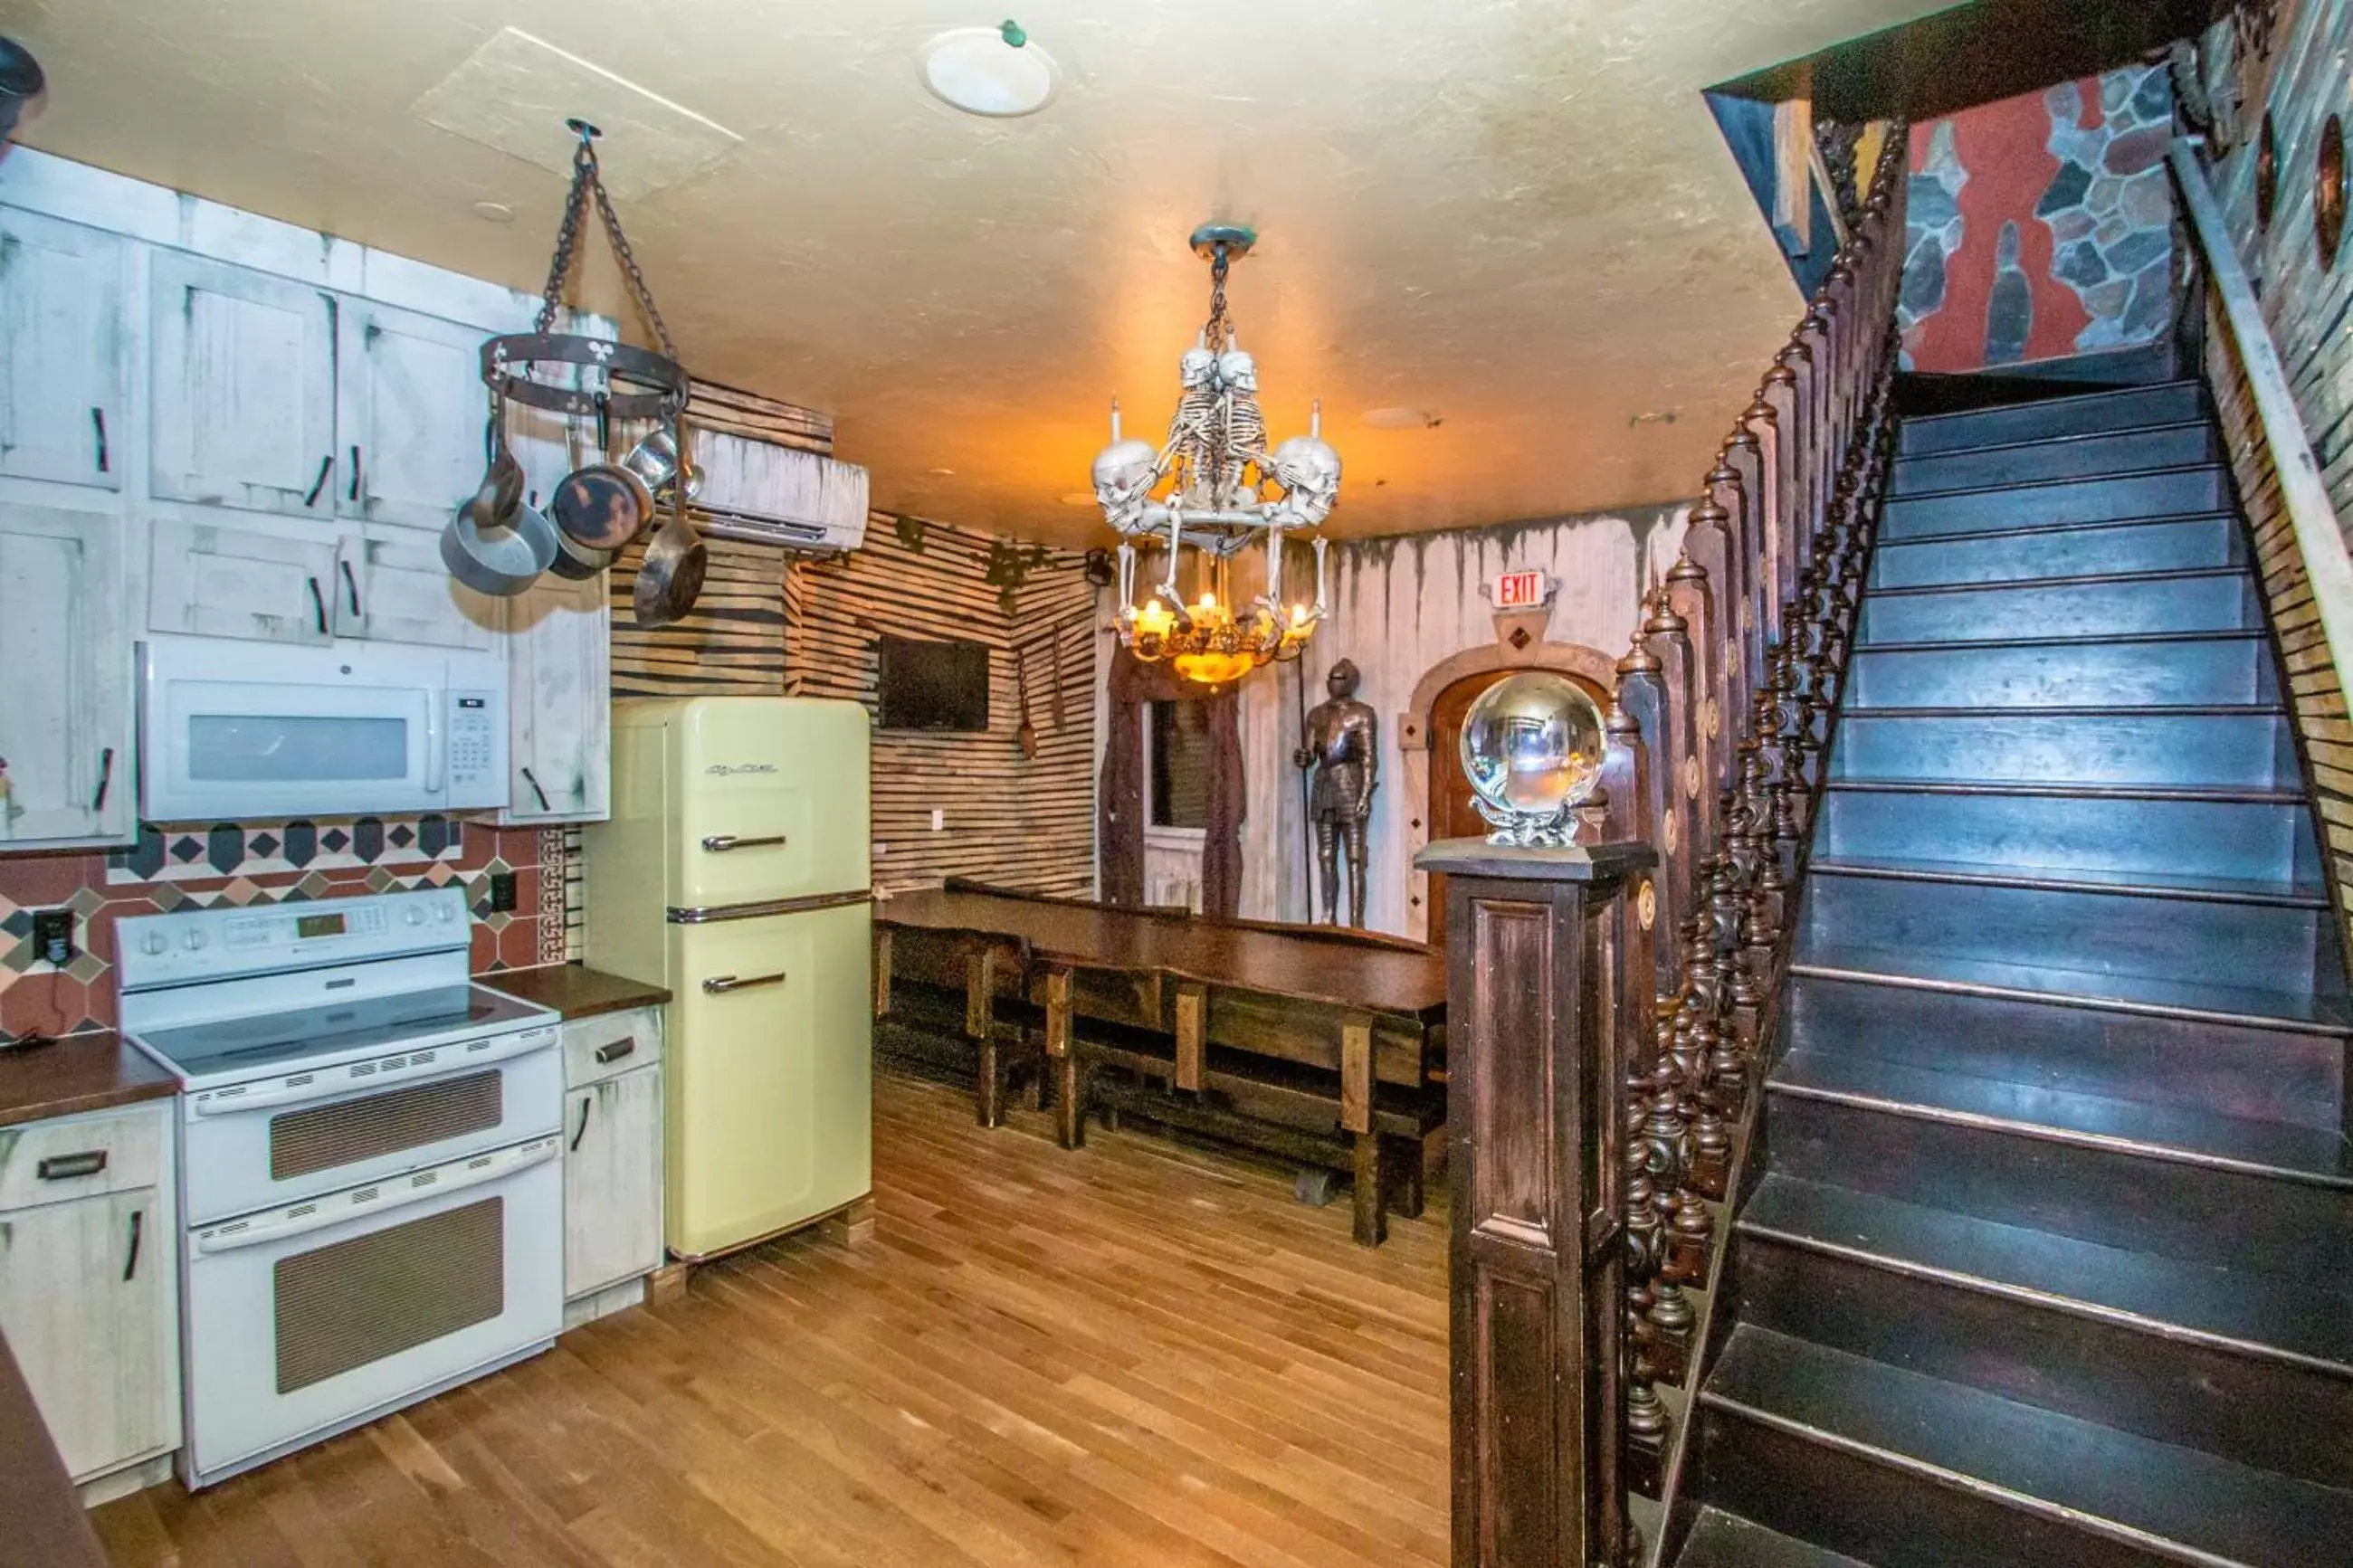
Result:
[{"x": 1246, "y": 1028}]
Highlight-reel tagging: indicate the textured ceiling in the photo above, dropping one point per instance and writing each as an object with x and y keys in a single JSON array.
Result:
[{"x": 1517, "y": 216}]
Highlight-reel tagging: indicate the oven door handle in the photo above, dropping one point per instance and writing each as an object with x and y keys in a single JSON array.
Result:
[
  {"x": 399, "y": 1193},
  {"x": 448, "y": 1060}
]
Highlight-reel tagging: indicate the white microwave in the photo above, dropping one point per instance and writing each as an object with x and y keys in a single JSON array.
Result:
[{"x": 233, "y": 730}]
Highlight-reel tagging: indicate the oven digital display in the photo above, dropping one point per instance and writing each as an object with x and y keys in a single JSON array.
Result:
[{"x": 307, "y": 926}]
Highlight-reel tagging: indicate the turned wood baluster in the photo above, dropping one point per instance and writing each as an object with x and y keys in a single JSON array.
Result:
[
  {"x": 1696, "y": 601},
  {"x": 1683, "y": 755}
]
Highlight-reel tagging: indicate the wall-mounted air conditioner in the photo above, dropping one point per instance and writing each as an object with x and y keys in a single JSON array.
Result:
[{"x": 767, "y": 494}]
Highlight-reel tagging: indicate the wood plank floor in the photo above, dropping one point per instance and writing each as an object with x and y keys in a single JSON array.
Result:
[{"x": 1135, "y": 1355}]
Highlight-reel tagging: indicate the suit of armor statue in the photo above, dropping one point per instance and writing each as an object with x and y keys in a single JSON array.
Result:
[{"x": 1341, "y": 745}]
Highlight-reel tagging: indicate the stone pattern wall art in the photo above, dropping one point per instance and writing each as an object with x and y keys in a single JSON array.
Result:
[{"x": 2042, "y": 226}]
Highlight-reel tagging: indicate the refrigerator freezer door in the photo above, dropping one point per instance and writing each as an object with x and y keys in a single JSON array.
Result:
[
  {"x": 770, "y": 1100},
  {"x": 770, "y": 801}
]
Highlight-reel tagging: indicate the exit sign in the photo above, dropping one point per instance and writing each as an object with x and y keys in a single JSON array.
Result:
[{"x": 1520, "y": 590}]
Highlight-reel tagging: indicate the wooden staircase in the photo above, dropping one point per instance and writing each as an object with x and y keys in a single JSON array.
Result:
[{"x": 2046, "y": 1251}]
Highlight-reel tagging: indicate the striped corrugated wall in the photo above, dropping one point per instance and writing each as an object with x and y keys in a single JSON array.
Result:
[
  {"x": 1024, "y": 822},
  {"x": 768, "y": 624}
]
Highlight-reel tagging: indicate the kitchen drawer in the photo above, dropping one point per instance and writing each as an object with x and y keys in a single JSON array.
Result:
[
  {"x": 610, "y": 1043},
  {"x": 105, "y": 1151}
]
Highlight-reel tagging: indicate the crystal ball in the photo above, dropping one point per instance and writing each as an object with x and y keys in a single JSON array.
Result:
[{"x": 1531, "y": 744}]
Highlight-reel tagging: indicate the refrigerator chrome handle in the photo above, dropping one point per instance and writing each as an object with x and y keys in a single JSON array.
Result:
[
  {"x": 721, "y": 842},
  {"x": 720, "y": 985}
]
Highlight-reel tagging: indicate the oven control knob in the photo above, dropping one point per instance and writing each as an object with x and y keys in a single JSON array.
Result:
[
  {"x": 413, "y": 916},
  {"x": 153, "y": 942},
  {"x": 192, "y": 940},
  {"x": 444, "y": 913}
]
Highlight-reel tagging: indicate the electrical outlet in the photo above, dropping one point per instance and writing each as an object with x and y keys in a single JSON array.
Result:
[
  {"x": 939, "y": 819},
  {"x": 53, "y": 936},
  {"x": 503, "y": 890}
]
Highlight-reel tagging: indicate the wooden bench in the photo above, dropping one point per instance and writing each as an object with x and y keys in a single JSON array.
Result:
[{"x": 1319, "y": 1045}]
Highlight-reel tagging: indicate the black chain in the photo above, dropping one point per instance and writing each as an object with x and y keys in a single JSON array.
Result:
[
  {"x": 586, "y": 181},
  {"x": 1216, "y": 331}
]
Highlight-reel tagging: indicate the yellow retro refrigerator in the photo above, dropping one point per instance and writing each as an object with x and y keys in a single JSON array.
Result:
[{"x": 736, "y": 871}]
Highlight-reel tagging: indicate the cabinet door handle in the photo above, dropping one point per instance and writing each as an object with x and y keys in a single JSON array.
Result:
[
  {"x": 351, "y": 585},
  {"x": 720, "y": 985},
  {"x": 721, "y": 842},
  {"x": 318, "y": 604},
  {"x": 105, "y": 780},
  {"x": 130, "y": 1264},
  {"x": 582, "y": 1130},
  {"x": 326, "y": 467},
  {"x": 97, "y": 423},
  {"x": 71, "y": 1167},
  {"x": 616, "y": 1050},
  {"x": 536, "y": 790},
  {"x": 354, "y": 493}
]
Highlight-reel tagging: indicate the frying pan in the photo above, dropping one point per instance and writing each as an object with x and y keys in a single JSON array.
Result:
[{"x": 672, "y": 573}]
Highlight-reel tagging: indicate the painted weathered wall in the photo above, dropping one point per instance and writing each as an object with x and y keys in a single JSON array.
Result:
[
  {"x": 2041, "y": 225},
  {"x": 1399, "y": 606}
]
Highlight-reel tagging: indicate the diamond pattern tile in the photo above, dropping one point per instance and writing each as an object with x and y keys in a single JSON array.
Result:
[
  {"x": 86, "y": 902},
  {"x": 313, "y": 886},
  {"x": 380, "y": 881},
  {"x": 185, "y": 849},
  {"x": 401, "y": 837},
  {"x": 265, "y": 845},
  {"x": 19, "y": 923},
  {"x": 86, "y": 966},
  {"x": 334, "y": 841},
  {"x": 167, "y": 897}
]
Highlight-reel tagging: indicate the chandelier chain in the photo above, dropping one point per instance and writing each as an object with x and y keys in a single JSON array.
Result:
[{"x": 1218, "y": 330}]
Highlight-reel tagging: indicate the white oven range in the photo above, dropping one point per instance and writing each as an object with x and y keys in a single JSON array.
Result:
[{"x": 371, "y": 1183}]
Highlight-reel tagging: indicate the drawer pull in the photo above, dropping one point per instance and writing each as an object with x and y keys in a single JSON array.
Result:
[
  {"x": 71, "y": 1167},
  {"x": 721, "y": 842},
  {"x": 720, "y": 985},
  {"x": 616, "y": 1050}
]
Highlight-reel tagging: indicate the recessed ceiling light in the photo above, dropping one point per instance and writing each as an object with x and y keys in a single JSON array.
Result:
[
  {"x": 1399, "y": 418},
  {"x": 992, "y": 71},
  {"x": 1079, "y": 498},
  {"x": 494, "y": 212},
  {"x": 941, "y": 473}
]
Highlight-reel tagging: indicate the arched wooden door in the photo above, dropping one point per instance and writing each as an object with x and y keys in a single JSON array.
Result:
[{"x": 1451, "y": 814}]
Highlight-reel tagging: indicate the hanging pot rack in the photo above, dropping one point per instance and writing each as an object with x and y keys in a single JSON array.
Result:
[{"x": 659, "y": 382}]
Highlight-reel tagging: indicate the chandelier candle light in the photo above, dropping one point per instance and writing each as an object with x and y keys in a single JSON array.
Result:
[{"x": 1214, "y": 488}]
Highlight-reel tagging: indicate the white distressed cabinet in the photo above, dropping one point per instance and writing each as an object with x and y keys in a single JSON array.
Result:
[
  {"x": 64, "y": 352},
  {"x": 558, "y": 711},
  {"x": 88, "y": 1282},
  {"x": 613, "y": 1150},
  {"x": 64, "y": 667},
  {"x": 244, "y": 398},
  {"x": 222, "y": 582},
  {"x": 390, "y": 585},
  {"x": 410, "y": 411}
]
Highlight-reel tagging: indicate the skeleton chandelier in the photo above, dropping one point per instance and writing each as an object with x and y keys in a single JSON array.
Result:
[{"x": 1211, "y": 489}]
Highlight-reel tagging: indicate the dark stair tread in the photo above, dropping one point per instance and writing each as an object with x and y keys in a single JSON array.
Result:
[
  {"x": 2034, "y": 529},
  {"x": 2078, "y": 580},
  {"x": 2061, "y": 438},
  {"x": 2128, "y": 992},
  {"x": 2276, "y": 1149},
  {"x": 2095, "y": 639},
  {"x": 1721, "y": 1539},
  {"x": 2075, "y": 710},
  {"x": 2048, "y": 480},
  {"x": 2226, "y": 794},
  {"x": 2285, "y": 1316},
  {"x": 2177, "y": 1503},
  {"x": 2177, "y": 885},
  {"x": 2059, "y": 404}
]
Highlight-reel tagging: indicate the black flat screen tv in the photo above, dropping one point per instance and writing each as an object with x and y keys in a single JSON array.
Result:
[{"x": 931, "y": 685}]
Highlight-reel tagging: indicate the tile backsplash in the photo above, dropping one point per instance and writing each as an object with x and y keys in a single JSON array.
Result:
[{"x": 204, "y": 866}]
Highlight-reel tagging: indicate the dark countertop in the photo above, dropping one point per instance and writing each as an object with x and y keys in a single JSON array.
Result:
[
  {"x": 1301, "y": 963},
  {"x": 95, "y": 1072},
  {"x": 576, "y": 990},
  {"x": 46, "y": 1525}
]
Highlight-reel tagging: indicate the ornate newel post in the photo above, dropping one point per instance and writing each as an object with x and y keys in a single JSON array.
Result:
[{"x": 1539, "y": 1037}]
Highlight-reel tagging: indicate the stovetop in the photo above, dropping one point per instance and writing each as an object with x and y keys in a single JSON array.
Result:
[{"x": 224, "y": 1048}]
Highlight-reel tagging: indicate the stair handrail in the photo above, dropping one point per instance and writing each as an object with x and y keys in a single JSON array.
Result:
[
  {"x": 1719, "y": 735},
  {"x": 2312, "y": 517}
]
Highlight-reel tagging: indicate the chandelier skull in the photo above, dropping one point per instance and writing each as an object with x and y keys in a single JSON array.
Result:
[{"x": 1212, "y": 489}]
